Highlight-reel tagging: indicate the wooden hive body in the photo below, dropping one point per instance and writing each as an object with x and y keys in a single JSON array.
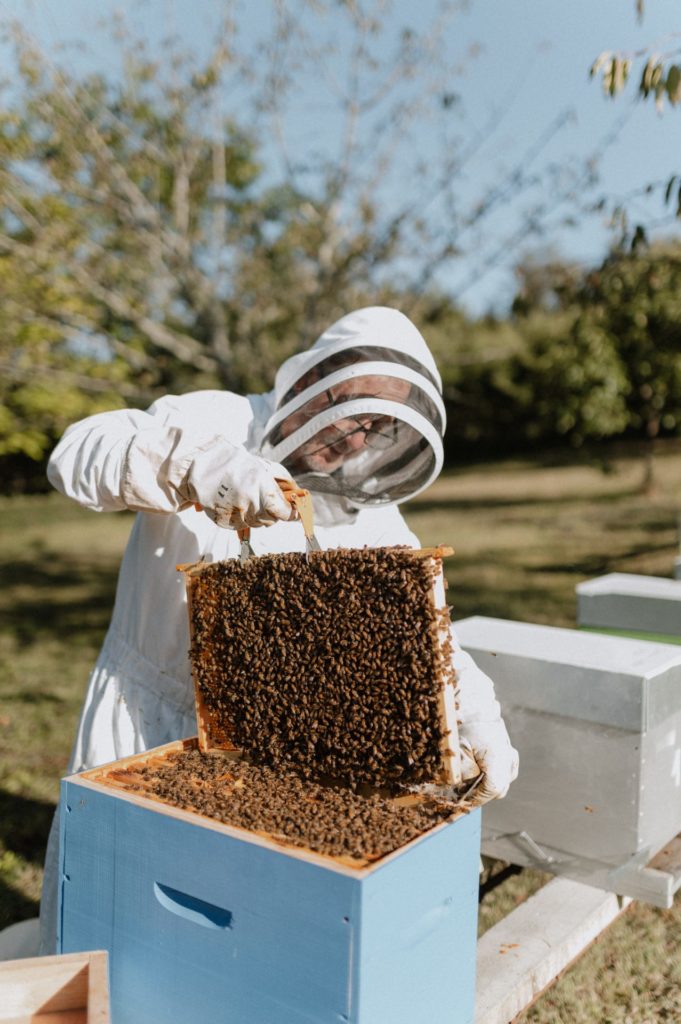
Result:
[{"x": 204, "y": 921}]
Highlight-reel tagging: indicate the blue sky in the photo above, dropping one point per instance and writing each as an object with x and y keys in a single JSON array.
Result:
[{"x": 532, "y": 63}]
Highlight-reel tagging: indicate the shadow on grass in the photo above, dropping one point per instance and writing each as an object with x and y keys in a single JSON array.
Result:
[
  {"x": 56, "y": 597},
  {"x": 476, "y": 503},
  {"x": 522, "y": 605},
  {"x": 594, "y": 565},
  {"x": 32, "y": 697},
  {"x": 25, "y": 825},
  {"x": 514, "y": 594},
  {"x": 589, "y": 566},
  {"x": 15, "y": 907}
]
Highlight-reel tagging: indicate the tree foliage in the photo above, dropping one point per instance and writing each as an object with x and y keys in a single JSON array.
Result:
[
  {"x": 659, "y": 80},
  {"x": 159, "y": 234},
  {"x": 660, "y": 77},
  {"x": 161, "y": 229},
  {"x": 633, "y": 303},
  {"x": 587, "y": 355}
]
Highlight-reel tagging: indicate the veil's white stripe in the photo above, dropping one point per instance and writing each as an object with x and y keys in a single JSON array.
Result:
[
  {"x": 346, "y": 373},
  {"x": 345, "y": 410}
]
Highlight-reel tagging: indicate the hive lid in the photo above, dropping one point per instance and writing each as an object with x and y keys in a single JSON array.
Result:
[
  {"x": 630, "y": 602},
  {"x": 338, "y": 664},
  {"x": 617, "y": 681}
]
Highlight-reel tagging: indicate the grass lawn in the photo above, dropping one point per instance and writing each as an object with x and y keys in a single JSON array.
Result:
[{"x": 524, "y": 536}]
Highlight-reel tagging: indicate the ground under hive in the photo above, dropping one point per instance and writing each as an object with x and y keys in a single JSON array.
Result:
[
  {"x": 331, "y": 820},
  {"x": 334, "y": 665}
]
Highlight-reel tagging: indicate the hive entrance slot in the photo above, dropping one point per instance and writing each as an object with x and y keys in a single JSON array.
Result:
[{"x": 191, "y": 908}]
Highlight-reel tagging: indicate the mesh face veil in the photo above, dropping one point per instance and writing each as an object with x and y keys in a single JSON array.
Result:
[{"x": 360, "y": 415}]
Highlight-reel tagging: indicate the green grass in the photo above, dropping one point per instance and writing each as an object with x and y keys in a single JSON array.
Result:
[
  {"x": 58, "y": 566},
  {"x": 524, "y": 536}
]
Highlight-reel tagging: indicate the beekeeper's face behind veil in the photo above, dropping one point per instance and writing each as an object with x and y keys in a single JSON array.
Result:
[{"x": 359, "y": 417}]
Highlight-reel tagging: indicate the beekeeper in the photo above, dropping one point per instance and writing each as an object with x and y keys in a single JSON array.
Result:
[{"x": 358, "y": 419}]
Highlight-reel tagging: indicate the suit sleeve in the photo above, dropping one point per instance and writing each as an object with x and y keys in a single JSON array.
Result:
[{"x": 138, "y": 460}]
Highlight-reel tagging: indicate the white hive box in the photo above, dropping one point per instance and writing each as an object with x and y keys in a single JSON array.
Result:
[
  {"x": 597, "y": 722},
  {"x": 633, "y": 604}
]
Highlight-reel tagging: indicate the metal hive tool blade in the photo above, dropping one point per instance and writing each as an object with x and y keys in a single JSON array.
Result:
[
  {"x": 246, "y": 551},
  {"x": 301, "y": 501}
]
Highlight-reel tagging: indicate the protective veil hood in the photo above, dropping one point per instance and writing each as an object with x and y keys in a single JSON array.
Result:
[{"x": 359, "y": 416}]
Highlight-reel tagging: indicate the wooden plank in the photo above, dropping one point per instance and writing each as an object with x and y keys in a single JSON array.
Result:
[
  {"x": 98, "y": 1001},
  {"x": 441, "y": 551},
  {"x": 69, "y": 989},
  {"x": 525, "y": 952},
  {"x": 450, "y": 749},
  {"x": 669, "y": 859},
  {"x": 64, "y": 1017},
  {"x": 29, "y": 986},
  {"x": 141, "y": 758},
  {"x": 202, "y": 719}
]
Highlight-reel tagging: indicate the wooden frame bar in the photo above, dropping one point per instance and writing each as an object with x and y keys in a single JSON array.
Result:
[{"x": 213, "y": 736}]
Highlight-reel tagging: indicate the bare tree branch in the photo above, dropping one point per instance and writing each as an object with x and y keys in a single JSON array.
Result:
[{"x": 182, "y": 346}]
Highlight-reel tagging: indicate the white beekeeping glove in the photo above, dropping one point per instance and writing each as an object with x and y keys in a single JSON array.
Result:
[
  {"x": 482, "y": 730},
  {"x": 237, "y": 489}
]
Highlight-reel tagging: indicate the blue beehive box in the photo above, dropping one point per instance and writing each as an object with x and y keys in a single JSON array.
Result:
[{"x": 204, "y": 921}]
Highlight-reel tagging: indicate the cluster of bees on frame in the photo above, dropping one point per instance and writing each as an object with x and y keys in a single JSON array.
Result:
[
  {"x": 327, "y": 819},
  {"x": 333, "y": 666}
]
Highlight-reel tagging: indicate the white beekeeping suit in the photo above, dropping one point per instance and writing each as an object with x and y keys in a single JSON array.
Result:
[{"x": 358, "y": 419}]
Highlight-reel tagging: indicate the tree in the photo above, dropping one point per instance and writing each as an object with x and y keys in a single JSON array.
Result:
[
  {"x": 46, "y": 381},
  {"x": 556, "y": 385},
  {"x": 632, "y": 306},
  {"x": 177, "y": 236},
  {"x": 598, "y": 354}
]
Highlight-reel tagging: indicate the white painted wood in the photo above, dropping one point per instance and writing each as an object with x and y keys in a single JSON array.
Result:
[
  {"x": 632, "y": 583},
  {"x": 609, "y": 680},
  {"x": 652, "y": 883},
  {"x": 597, "y": 723},
  {"x": 626, "y": 601},
  {"x": 526, "y": 951}
]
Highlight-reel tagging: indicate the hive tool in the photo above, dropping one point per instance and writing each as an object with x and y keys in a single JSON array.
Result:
[{"x": 301, "y": 500}]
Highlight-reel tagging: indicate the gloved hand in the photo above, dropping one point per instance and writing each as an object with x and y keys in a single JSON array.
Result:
[
  {"x": 237, "y": 489},
  {"x": 490, "y": 746},
  {"x": 481, "y": 728}
]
